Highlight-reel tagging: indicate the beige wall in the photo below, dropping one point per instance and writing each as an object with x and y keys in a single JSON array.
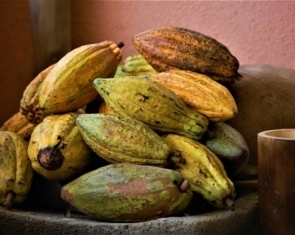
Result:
[{"x": 255, "y": 32}]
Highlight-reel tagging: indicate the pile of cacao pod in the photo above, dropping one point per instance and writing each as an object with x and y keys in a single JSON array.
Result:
[{"x": 157, "y": 118}]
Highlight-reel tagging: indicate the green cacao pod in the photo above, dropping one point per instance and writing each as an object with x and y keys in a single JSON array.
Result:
[
  {"x": 118, "y": 138},
  {"x": 229, "y": 145},
  {"x": 135, "y": 65},
  {"x": 151, "y": 103},
  {"x": 125, "y": 192}
]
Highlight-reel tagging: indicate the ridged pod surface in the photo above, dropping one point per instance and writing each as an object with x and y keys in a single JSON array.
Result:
[
  {"x": 119, "y": 71},
  {"x": 29, "y": 104},
  {"x": 135, "y": 65},
  {"x": 151, "y": 103},
  {"x": 200, "y": 92},
  {"x": 16, "y": 173},
  {"x": 170, "y": 47},
  {"x": 19, "y": 124},
  {"x": 68, "y": 86},
  {"x": 203, "y": 170},
  {"x": 119, "y": 138},
  {"x": 56, "y": 148},
  {"x": 126, "y": 192}
]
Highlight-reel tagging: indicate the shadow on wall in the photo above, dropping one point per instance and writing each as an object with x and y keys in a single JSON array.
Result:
[{"x": 30, "y": 43}]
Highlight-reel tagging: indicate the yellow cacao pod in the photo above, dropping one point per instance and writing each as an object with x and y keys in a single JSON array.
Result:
[
  {"x": 56, "y": 148},
  {"x": 203, "y": 170},
  {"x": 68, "y": 86},
  {"x": 16, "y": 173},
  {"x": 152, "y": 104},
  {"x": 29, "y": 104},
  {"x": 20, "y": 125},
  {"x": 171, "y": 47},
  {"x": 199, "y": 92}
]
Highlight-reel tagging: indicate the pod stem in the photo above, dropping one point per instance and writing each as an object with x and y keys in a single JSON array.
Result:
[
  {"x": 177, "y": 159},
  {"x": 229, "y": 203},
  {"x": 120, "y": 44},
  {"x": 9, "y": 200},
  {"x": 184, "y": 186}
]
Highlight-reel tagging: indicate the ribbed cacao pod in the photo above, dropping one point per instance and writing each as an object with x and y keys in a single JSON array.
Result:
[
  {"x": 135, "y": 65},
  {"x": 20, "y": 125},
  {"x": 68, "y": 86},
  {"x": 152, "y": 104},
  {"x": 118, "y": 138},
  {"x": 171, "y": 47},
  {"x": 119, "y": 71},
  {"x": 56, "y": 149},
  {"x": 16, "y": 173},
  {"x": 29, "y": 104},
  {"x": 199, "y": 92},
  {"x": 203, "y": 170},
  {"x": 126, "y": 192}
]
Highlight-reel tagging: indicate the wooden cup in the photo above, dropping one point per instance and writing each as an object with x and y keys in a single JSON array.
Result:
[{"x": 276, "y": 178}]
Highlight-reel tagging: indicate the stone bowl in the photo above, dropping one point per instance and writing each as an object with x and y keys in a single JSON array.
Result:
[{"x": 44, "y": 212}]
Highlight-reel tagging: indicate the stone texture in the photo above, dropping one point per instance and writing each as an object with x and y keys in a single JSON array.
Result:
[
  {"x": 265, "y": 99},
  {"x": 242, "y": 221}
]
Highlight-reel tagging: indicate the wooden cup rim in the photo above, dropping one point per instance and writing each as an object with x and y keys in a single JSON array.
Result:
[{"x": 283, "y": 134}]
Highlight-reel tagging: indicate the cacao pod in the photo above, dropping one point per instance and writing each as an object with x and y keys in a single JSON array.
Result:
[
  {"x": 152, "y": 104},
  {"x": 119, "y": 71},
  {"x": 119, "y": 138},
  {"x": 203, "y": 170},
  {"x": 16, "y": 173},
  {"x": 229, "y": 145},
  {"x": 29, "y": 104},
  {"x": 135, "y": 65},
  {"x": 56, "y": 149},
  {"x": 68, "y": 86},
  {"x": 200, "y": 92},
  {"x": 20, "y": 125},
  {"x": 171, "y": 47},
  {"x": 126, "y": 192}
]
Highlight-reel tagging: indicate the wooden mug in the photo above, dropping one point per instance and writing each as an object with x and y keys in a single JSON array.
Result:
[{"x": 276, "y": 181}]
